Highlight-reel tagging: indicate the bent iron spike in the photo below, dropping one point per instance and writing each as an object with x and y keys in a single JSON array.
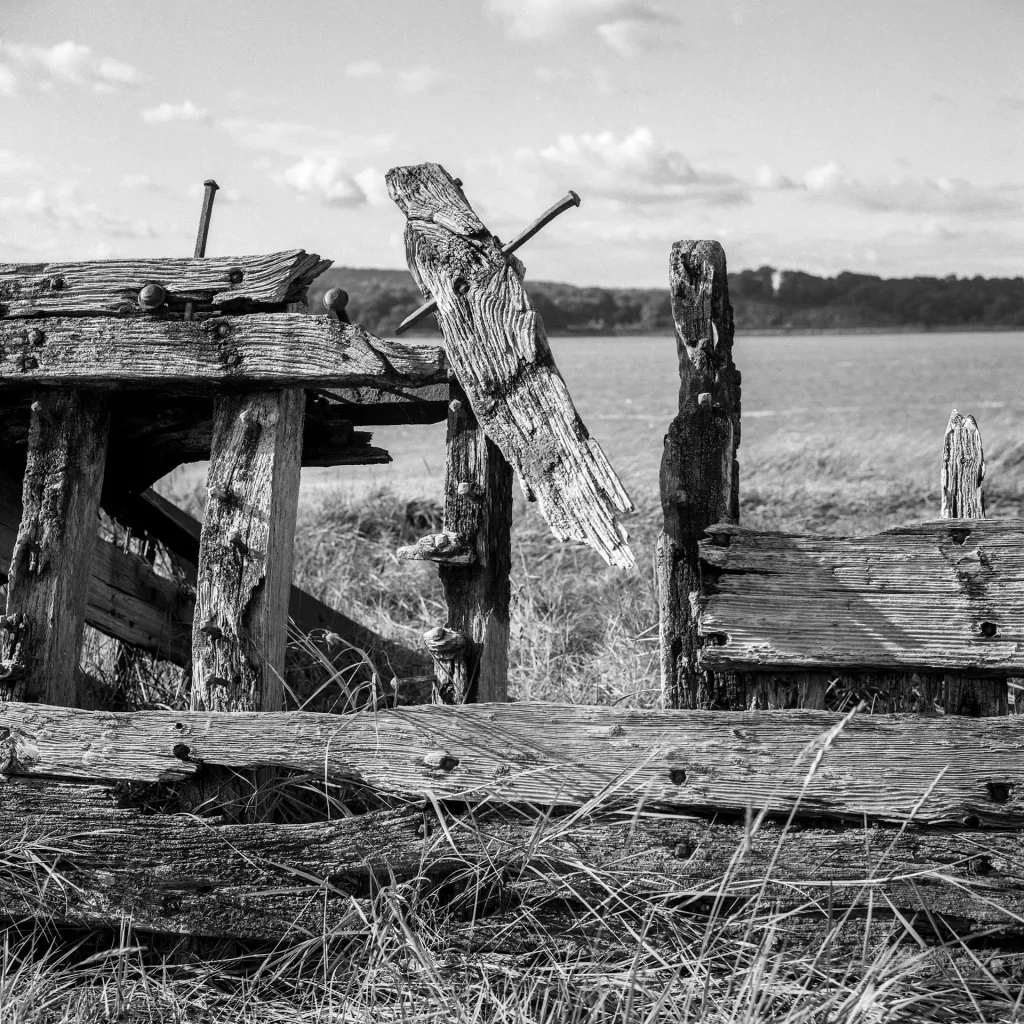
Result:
[
  {"x": 204, "y": 228},
  {"x": 570, "y": 200}
]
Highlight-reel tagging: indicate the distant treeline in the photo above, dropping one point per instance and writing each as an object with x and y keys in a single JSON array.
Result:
[{"x": 763, "y": 299}]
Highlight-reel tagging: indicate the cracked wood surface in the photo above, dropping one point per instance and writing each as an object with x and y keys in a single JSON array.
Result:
[
  {"x": 946, "y": 595},
  {"x": 100, "y": 287},
  {"x": 963, "y": 469},
  {"x": 262, "y": 350},
  {"x": 939, "y": 770},
  {"x": 499, "y": 351}
]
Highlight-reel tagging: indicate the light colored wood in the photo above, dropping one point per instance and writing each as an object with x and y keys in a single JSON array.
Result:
[
  {"x": 939, "y": 770},
  {"x": 963, "y": 469},
  {"x": 259, "y": 350},
  {"x": 699, "y": 471},
  {"x": 51, "y": 564},
  {"x": 917, "y": 597},
  {"x": 246, "y": 551},
  {"x": 500, "y": 354},
  {"x": 113, "y": 286}
]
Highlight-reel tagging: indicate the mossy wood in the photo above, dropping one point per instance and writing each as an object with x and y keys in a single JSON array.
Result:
[
  {"x": 179, "y": 874},
  {"x": 112, "y": 287},
  {"x": 699, "y": 471},
  {"x": 498, "y": 349},
  {"x": 935, "y": 770}
]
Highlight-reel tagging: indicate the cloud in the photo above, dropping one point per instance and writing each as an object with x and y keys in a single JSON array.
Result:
[
  {"x": 300, "y": 140},
  {"x": 165, "y": 112},
  {"x": 325, "y": 179},
  {"x": 364, "y": 69},
  {"x": 62, "y": 208},
  {"x": 66, "y": 63},
  {"x": 422, "y": 79},
  {"x": 769, "y": 178},
  {"x": 141, "y": 183},
  {"x": 224, "y": 195},
  {"x": 10, "y": 163}
]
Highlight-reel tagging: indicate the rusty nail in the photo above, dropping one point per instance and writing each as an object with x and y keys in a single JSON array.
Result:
[
  {"x": 335, "y": 301},
  {"x": 204, "y": 229}
]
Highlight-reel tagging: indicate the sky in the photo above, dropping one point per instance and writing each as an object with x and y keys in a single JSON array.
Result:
[{"x": 819, "y": 135}]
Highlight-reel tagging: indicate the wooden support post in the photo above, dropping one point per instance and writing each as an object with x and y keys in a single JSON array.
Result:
[
  {"x": 699, "y": 471},
  {"x": 245, "y": 552},
  {"x": 51, "y": 565}
]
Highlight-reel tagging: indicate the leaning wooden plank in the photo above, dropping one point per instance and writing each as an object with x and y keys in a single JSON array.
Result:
[
  {"x": 113, "y": 286},
  {"x": 946, "y": 595},
  {"x": 944, "y": 770},
  {"x": 699, "y": 471},
  {"x": 180, "y": 874},
  {"x": 261, "y": 350},
  {"x": 51, "y": 564},
  {"x": 963, "y": 469},
  {"x": 499, "y": 351}
]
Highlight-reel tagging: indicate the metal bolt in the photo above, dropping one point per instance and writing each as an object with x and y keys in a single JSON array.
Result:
[
  {"x": 36, "y": 337},
  {"x": 223, "y": 330},
  {"x": 704, "y": 400},
  {"x": 235, "y": 276},
  {"x": 27, "y": 363},
  {"x": 457, "y": 182},
  {"x": 56, "y": 283},
  {"x": 464, "y": 488},
  {"x": 152, "y": 296}
]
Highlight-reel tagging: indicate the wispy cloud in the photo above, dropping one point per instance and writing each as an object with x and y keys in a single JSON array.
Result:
[
  {"x": 327, "y": 180},
  {"x": 289, "y": 138},
  {"x": 422, "y": 79},
  {"x": 11, "y": 163},
  {"x": 66, "y": 63},
  {"x": 166, "y": 112},
  {"x": 62, "y": 208},
  {"x": 364, "y": 69}
]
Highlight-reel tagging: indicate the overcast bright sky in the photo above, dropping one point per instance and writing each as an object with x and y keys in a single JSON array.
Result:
[{"x": 882, "y": 136}]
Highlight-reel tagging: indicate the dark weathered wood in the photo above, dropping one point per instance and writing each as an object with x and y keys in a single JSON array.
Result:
[
  {"x": 51, "y": 565},
  {"x": 699, "y": 471},
  {"x": 448, "y": 649},
  {"x": 113, "y": 286},
  {"x": 246, "y": 551},
  {"x": 963, "y": 469},
  {"x": 243, "y": 352},
  {"x": 497, "y": 346},
  {"x": 938, "y": 769},
  {"x": 383, "y": 405}
]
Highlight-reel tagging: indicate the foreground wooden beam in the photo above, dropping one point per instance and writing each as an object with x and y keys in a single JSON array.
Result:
[
  {"x": 243, "y": 352},
  {"x": 499, "y": 351},
  {"x": 937, "y": 771}
]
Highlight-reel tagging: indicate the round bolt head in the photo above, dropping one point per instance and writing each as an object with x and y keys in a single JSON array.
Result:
[
  {"x": 36, "y": 336},
  {"x": 335, "y": 299},
  {"x": 223, "y": 330},
  {"x": 152, "y": 296},
  {"x": 461, "y": 286},
  {"x": 464, "y": 487},
  {"x": 235, "y": 276}
]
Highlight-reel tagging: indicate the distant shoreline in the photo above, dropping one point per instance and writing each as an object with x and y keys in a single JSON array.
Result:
[{"x": 772, "y": 332}]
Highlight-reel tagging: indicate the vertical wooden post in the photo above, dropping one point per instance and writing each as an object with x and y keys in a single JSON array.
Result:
[
  {"x": 51, "y": 565},
  {"x": 246, "y": 551},
  {"x": 699, "y": 471}
]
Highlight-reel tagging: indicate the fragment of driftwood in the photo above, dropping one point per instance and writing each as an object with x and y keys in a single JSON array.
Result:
[
  {"x": 446, "y": 548},
  {"x": 260, "y": 350},
  {"x": 51, "y": 565},
  {"x": 939, "y": 770},
  {"x": 245, "y": 552},
  {"x": 497, "y": 346},
  {"x": 699, "y": 471},
  {"x": 108, "y": 287},
  {"x": 447, "y": 648},
  {"x": 175, "y": 873}
]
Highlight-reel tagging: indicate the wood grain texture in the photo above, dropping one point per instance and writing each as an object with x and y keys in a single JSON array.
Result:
[
  {"x": 963, "y": 469},
  {"x": 499, "y": 351},
  {"x": 260, "y": 350},
  {"x": 368, "y": 406},
  {"x": 938, "y": 769},
  {"x": 112, "y": 286},
  {"x": 699, "y": 471},
  {"x": 183, "y": 875},
  {"x": 246, "y": 551},
  {"x": 51, "y": 564}
]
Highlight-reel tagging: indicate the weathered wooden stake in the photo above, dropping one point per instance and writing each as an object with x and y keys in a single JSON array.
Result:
[
  {"x": 699, "y": 471},
  {"x": 51, "y": 566},
  {"x": 245, "y": 552}
]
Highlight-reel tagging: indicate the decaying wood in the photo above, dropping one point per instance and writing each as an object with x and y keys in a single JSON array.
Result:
[
  {"x": 261, "y": 350},
  {"x": 938, "y": 770},
  {"x": 445, "y": 548},
  {"x": 179, "y": 874},
  {"x": 497, "y": 346},
  {"x": 946, "y": 596},
  {"x": 246, "y": 551},
  {"x": 448, "y": 649},
  {"x": 370, "y": 406},
  {"x": 699, "y": 471},
  {"x": 51, "y": 564},
  {"x": 963, "y": 469},
  {"x": 112, "y": 286}
]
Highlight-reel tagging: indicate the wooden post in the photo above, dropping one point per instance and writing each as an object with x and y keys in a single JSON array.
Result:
[
  {"x": 699, "y": 471},
  {"x": 51, "y": 565},
  {"x": 245, "y": 551}
]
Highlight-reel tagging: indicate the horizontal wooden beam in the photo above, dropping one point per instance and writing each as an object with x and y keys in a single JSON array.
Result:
[
  {"x": 945, "y": 596},
  {"x": 256, "y": 351},
  {"x": 101, "y": 287},
  {"x": 378, "y": 406},
  {"x": 935, "y": 771}
]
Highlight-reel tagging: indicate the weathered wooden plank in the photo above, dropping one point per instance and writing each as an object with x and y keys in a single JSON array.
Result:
[
  {"x": 699, "y": 471},
  {"x": 382, "y": 405},
  {"x": 179, "y": 874},
  {"x": 261, "y": 350},
  {"x": 963, "y": 469},
  {"x": 946, "y": 595},
  {"x": 50, "y": 568},
  {"x": 113, "y": 286},
  {"x": 499, "y": 351},
  {"x": 246, "y": 550},
  {"x": 939, "y": 770}
]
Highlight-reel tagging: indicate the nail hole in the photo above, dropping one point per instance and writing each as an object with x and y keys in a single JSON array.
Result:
[
  {"x": 972, "y": 821},
  {"x": 959, "y": 537},
  {"x": 982, "y": 866},
  {"x": 443, "y": 761},
  {"x": 182, "y": 751},
  {"x": 683, "y": 851},
  {"x": 720, "y": 540},
  {"x": 999, "y": 792},
  {"x": 988, "y": 629},
  {"x": 677, "y": 775},
  {"x": 461, "y": 286},
  {"x": 719, "y": 639}
]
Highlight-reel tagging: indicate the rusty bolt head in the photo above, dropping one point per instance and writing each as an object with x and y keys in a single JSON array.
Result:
[
  {"x": 152, "y": 296},
  {"x": 464, "y": 488},
  {"x": 335, "y": 299},
  {"x": 125, "y": 307},
  {"x": 461, "y": 286},
  {"x": 36, "y": 337},
  {"x": 28, "y": 363},
  {"x": 457, "y": 182},
  {"x": 56, "y": 283},
  {"x": 235, "y": 276},
  {"x": 223, "y": 329}
]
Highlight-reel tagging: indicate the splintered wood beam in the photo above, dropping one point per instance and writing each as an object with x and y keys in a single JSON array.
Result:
[
  {"x": 699, "y": 471},
  {"x": 51, "y": 565},
  {"x": 933, "y": 770},
  {"x": 496, "y": 343},
  {"x": 246, "y": 551},
  {"x": 240, "y": 352},
  {"x": 963, "y": 469},
  {"x": 101, "y": 287}
]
